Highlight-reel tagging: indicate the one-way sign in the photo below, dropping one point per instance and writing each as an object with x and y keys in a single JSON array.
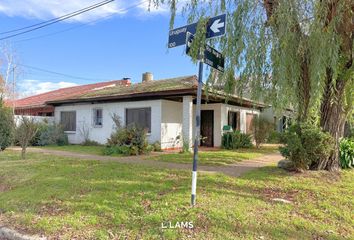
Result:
[
  {"x": 211, "y": 56},
  {"x": 216, "y": 27}
]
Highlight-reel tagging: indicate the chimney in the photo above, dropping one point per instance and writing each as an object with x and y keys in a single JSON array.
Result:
[{"x": 147, "y": 77}]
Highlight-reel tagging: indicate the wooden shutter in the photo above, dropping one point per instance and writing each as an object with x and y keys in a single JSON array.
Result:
[
  {"x": 68, "y": 120},
  {"x": 140, "y": 117}
]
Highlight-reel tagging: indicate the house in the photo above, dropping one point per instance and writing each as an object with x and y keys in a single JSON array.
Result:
[{"x": 165, "y": 108}]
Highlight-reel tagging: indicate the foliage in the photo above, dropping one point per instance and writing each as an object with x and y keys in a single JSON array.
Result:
[
  {"x": 130, "y": 140},
  {"x": 296, "y": 54},
  {"x": 42, "y": 127},
  {"x": 261, "y": 128},
  {"x": 275, "y": 137},
  {"x": 236, "y": 139},
  {"x": 346, "y": 154},
  {"x": 306, "y": 146},
  {"x": 185, "y": 146},
  {"x": 52, "y": 134},
  {"x": 156, "y": 146},
  {"x": 24, "y": 132},
  {"x": 6, "y": 127},
  {"x": 89, "y": 142},
  {"x": 46, "y": 195}
]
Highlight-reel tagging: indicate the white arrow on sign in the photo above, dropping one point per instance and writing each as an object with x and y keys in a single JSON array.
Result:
[{"x": 216, "y": 25}]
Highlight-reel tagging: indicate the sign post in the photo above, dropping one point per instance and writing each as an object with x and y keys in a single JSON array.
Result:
[
  {"x": 197, "y": 132},
  {"x": 216, "y": 27}
]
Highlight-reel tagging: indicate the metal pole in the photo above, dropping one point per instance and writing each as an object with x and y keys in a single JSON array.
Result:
[{"x": 197, "y": 133}]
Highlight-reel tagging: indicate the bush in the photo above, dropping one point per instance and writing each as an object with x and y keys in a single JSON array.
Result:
[
  {"x": 89, "y": 142},
  {"x": 42, "y": 127},
  {"x": 236, "y": 139},
  {"x": 306, "y": 146},
  {"x": 7, "y": 127},
  {"x": 346, "y": 153},
  {"x": 131, "y": 137},
  {"x": 156, "y": 146},
  {"x": 52, "y": 134},
  {"x": 261, "y": 128},
  {"x": 275, "y": 137}
]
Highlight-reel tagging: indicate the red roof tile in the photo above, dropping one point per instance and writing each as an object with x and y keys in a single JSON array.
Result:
[{"x": 64, "y": 93}]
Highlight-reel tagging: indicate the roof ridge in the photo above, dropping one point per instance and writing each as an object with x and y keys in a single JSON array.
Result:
[{"x": 66, "y": 88}]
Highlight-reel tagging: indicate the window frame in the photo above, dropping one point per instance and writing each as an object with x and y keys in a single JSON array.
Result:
[
  {"x": 139, "y": 108},
  {"x": 64, "y": 125},
  {"x": 94, "y": 116},
  {"x": 237, "y": 119}
]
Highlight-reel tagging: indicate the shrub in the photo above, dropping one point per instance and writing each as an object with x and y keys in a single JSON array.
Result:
[
  {"x": 42, "y": 127},
  {"x": 132, "y": 137},
  {"x": 6, "y": 127},
  {"x": 346, "y": 153},
  {"x": 236, "y": 139},
  {"x": 157, "y": 146},
  {"x": 25, "y": 131},
  {"x": 306, "y": 146},
  {"x": 53, "y": 134},
  {"x": 261, "y": 128},
  {"x": 275, "y": 137},
  {"x": 89, "y": 142}
]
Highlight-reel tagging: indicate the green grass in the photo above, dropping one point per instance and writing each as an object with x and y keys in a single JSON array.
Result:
[
  {"x": 95, "y": 150},
  {"x": 69, "y": 198},
  {"x": 219, "y": 157}
]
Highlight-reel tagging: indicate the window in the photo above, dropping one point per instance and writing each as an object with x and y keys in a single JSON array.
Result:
[
  {"x": 234, "y": 120},
  {"x": 97, "y": 117},
  {"x": 68, "y": 120},
  {"x": 139, "y": 116}
]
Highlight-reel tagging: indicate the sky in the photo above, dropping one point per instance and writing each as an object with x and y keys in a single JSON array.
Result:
[{"x": 121, "y": 39}]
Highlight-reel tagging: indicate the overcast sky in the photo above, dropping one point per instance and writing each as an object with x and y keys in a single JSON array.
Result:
[{"x": 121, "y": 39}]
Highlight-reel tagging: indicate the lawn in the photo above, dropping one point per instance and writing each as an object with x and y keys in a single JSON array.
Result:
[
  {"x": 95, "y": 150},
  {"x": 69, "y": 198},
  {"x": 218, "y": 157}
]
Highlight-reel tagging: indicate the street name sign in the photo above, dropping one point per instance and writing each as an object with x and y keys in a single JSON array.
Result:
[
  {"x": 216, "y": 27},
  {"x": 212, "y": 57}
]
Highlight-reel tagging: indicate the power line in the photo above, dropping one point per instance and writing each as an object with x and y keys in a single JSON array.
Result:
[
  {"x": 81, "y": 25},
  {"x": 62, "y": 74},
  {"x": 59, "y": 20},
  {"x": 51, "y": 20}
]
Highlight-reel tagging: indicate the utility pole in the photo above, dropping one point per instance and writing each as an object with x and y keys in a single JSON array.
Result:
[{"x": 197, "y": 132}]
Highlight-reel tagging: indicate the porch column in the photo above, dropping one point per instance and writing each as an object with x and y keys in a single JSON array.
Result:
[
  {"x": 243, "y": 121},
  {"x": 187, "y": 124}
]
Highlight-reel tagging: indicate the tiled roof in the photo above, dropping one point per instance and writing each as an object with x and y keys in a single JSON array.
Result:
[
  {"x": 179, "y": 83},
  {"x": 66, "y": 93}
]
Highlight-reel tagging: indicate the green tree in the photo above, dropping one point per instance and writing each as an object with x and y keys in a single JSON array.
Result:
[
  {"x": 6, "y": 126},
  {"x": 261, "y": 129},
  {"x": 290, "y": 53}
]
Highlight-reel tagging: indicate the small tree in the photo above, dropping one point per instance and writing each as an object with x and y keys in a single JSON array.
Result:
[
  {"x": 261, "y": 129},
  {"x": 25, "y": 131},
  {"x": 6, "y": 126}
]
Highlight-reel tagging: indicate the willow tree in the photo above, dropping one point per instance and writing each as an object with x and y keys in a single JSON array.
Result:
[{"x": 289, "y": 53}]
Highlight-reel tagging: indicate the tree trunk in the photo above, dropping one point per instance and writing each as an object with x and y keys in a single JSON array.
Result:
[
  {"x": 23, "y": 152},
  {"x": 333, "y": 117}
]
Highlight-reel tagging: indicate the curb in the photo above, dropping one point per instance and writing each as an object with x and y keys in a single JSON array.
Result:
[{"x": 8, "y": 234}]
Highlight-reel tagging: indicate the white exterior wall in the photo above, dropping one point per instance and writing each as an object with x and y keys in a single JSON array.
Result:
[
  {"x": 243, "y": 111},
  {"x": 84, "y": 117},
  {"x": 171, "y": 124}
]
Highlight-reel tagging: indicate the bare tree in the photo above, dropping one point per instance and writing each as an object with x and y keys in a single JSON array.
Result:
[
  {"x": 25, "y": 131},
  {"x": 9, "y": 71}
]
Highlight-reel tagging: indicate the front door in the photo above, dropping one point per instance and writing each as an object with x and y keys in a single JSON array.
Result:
[{"x": 207, "y": 128}]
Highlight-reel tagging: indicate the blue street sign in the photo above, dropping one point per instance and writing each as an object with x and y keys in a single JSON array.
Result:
[
  {"x": 211, "y": 56},
  {"x": 215, "y": 28}
]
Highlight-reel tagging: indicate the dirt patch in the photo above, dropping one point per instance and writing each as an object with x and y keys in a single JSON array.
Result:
[{"x": 271, "y": 193}]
